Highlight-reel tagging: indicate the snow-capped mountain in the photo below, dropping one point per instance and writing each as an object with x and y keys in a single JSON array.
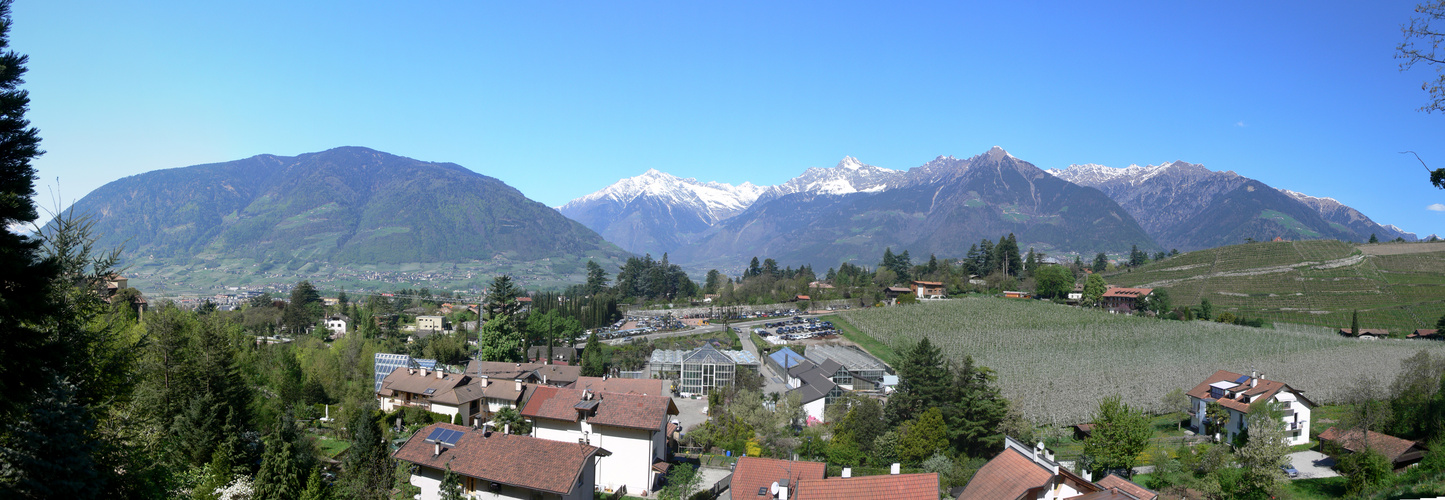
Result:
[
  {"x": 656, "y": 212},
  {"x": 1339, "y": 213},
  {"x": 849, "y": 176},
  {"x": 1187, "y": 206},
  {"x": 715, "y": 200}
]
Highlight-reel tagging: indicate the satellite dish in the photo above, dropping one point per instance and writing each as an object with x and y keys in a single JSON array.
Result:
[{"x": 774, "y": 488}]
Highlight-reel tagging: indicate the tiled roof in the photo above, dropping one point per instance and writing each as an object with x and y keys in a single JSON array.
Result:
[
  {"x": 1008, "y": 476},
  {"x": 619, "y": 410},
  {"x": 1377, "y": 332},
  {"x": 413, "y": 381},
  {"x": 554, "y": 374},
  {"x": 1240, "y": 385},
  {"x": 752, "y": 473},
  {"x": 1127, "y": 293},
  {"x": 1389, "y": 446},
  {"x": 929, "y": 283},
  {"x": 1424, "y": 332},
  {"x": 646, "y": 386},
  {"x": 890, "y": 487},
  {"x": 1108, "y": 494},
  {"x": 1128, "y": 487},
  {"x": 523, "y": 461}
]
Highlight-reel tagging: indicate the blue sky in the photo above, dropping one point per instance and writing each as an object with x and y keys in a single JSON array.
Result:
[{"x": 562, "y": 99}]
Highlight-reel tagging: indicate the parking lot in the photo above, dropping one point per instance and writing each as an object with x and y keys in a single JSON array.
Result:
[{"x": 1313, "y": 464}]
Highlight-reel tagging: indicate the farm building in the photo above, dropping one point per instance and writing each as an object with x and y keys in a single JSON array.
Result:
[
  {"x": 1426, "y": 334},
  {"x": 927, "y": 289},
  {"x": 1401, "y": 452},
  {"x": 783, "y": 360},
  {"x": 1366, "y": 333},
  {"x": 1237, "y": 393},
  {"x": 700, "y": 370},
  {"x": 1122, "y": 299}
]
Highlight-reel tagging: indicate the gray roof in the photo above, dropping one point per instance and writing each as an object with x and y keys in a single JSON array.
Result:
[
  {"x": 664, "y": 356},
  {"x": 854, "y": 359},
  {"x": 707, "y": 355},
  {"x": 816, "y": 385}
]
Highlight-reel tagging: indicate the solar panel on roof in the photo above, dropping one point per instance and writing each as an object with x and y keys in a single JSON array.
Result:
[
  {"x": 1242, "y": 379},
  {"x": 449, "y": 437},
  {"x": 435, "y": 433}
]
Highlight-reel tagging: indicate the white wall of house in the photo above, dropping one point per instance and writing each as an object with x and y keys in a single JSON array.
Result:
[
  {"x": 446, "y": 409},
  {"x": 1058, "y": 490},
  {"x": 429, "y": 480},
  {"x": 428, "y": 322},
  {"x": 337, "y": 326},
  {"x": 633, "y": 451},
  {"x": 815, "y": 409},
  {"x": 1296, "y": 418}
]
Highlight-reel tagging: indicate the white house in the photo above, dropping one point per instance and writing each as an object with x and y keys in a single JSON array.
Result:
[
  {"x": 435, "y": 323},
  {"x": 494, "y": 465},
  {"x": 632, "y": 427},
  {"x": 337, "y": 325},
  {"x": 815, "y": 387},
  {"x": 1237, "y": 393}
]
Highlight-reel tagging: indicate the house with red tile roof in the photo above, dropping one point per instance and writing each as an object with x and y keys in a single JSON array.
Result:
[
  {"x": 890, "y": 487},
  {"x": 1118, "y": 485},
  {"x": 633, "y": 427},
  {"x": 644, "y": 386},
  {"x": 928, "y": 289},
  {"x": 1025, "y": 472},
  {"x": 754, "y": 476},
  {"x": 1425, "y": 333},
  {"x": 1401, "y": 452},
  {"x": 497, "y": 465},
  {"x": 1238, "y": 393},
  {"x": 407, "y": 386},
  {"x": 1121, "y": 299},
  {"x": 1366, "y": 333}
]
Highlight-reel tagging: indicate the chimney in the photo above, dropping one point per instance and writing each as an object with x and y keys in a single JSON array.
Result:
[
  {"x": 438, "y": 450},
  {"x": 895, "y": 469},
  {"x": 440, "y": 374},
  {"x": 847, "y": 472},
  {"x": 544, "y": 379},
  {"x": 519, "y": 386},
  {"x": 484, "y": 381},
  {"x": 506, "y": 428},
  {"x": 423, "y": 372}
]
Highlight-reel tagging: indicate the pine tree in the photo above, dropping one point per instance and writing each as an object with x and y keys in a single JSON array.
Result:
[
  {"x": 923, "y": 383},
  {"x": 315, "y": 489},
  {"x": 366, "y": 471},
  {"x": 25, "y": 276},
  {"x": 47, "y": 451},
  {"x": 280, "y": 476},
  {"x": 1355, "y": 322}
]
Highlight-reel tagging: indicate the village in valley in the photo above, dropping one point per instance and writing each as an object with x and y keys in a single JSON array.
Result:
[{"x": 780, "y": 383}]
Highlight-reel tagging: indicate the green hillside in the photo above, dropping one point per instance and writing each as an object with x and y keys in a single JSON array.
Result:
[{"x": 1398, "y": 286}]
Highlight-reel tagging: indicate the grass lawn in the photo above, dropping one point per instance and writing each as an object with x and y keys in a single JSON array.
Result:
[
  {"x": 331, "y": 447},
  {"x": 868, "y": 343},
  {"x": 1307, "y": 489},
  {"x": 1167, "y": 435}
]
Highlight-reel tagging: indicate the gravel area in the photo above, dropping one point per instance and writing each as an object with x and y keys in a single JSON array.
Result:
[{"x": 1313, "y": 464}]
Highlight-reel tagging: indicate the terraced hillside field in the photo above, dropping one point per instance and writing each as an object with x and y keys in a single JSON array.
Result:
[
  {"x": 1056, "y": 362},
  {"x": 1397, "y": 286}
]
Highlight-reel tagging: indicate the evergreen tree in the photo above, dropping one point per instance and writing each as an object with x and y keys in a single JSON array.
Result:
[
  {"x": 366, "y": 471},
  {"x": 923, "y": 383},
  {"x": 1355, "y": 322},
  {"x": 1137, "y": 257},
  {"x": 46, "y": 452},
  {"x": 754, "y": 269},
  {"x": 280, "y": 475},
  {"x": 596, "y": 278},
  {"x": 315, "y": 489},
  {"x": 1101, "y": 262},
  {"x": 922, "y": 437},
  {"x": 1373, "y": 239},
  {"x": 304, "y": 309},
  {"x": 976, "y": 412},
  {"x": 26, "y": 279},
  {"x": 714, "y": 282},
  {"x": 594, "y": 360},
  {"x": 502, "y": 298}
]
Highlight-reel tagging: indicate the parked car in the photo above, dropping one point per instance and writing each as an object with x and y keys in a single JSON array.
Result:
[{"x": 1289, "y": 470}]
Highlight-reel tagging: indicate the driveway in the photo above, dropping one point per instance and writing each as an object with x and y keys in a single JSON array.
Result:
[
  {"x": 690, "y": 412},
  {"x": 1313, "y": 464}
]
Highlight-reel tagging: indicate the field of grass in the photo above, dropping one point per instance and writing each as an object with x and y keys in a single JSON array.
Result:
[
  {"x": 1057, "y": 362},
  {"x": 1399, "y": 287}
]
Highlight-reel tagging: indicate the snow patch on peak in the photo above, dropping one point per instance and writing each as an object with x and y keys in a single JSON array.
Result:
[
  {"x": 849, "y": 176},
  {"x": 1304, "y": 197},
  {"x": 715, "y": 200}
]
